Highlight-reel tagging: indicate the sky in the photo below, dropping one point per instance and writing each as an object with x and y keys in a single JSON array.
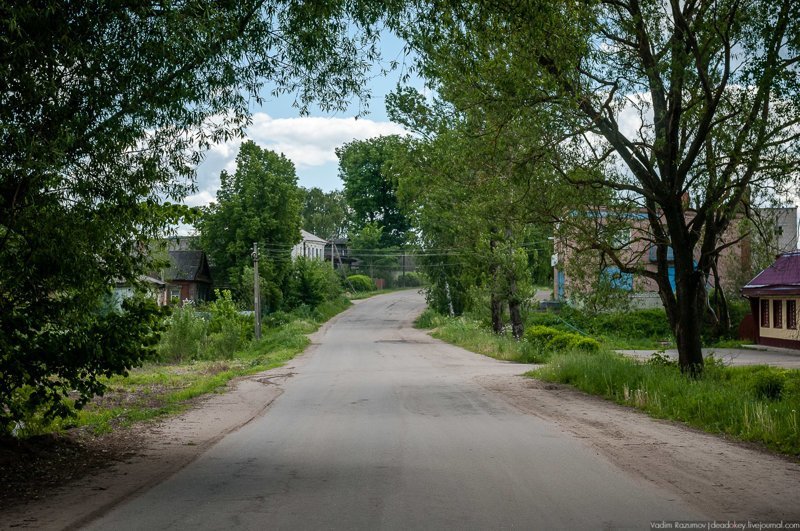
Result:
[{"x": 308, "y": 141}]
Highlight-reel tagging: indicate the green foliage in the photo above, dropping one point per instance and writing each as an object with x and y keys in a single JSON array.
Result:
[
  {"x": 410, "y": 280},
  {"x": 311, "y": 283},
  {"x": 67, "y": 363},
  {"x": 740, "y": 401},
  {"x": 262, "y": 202},
  {"x": 106, "y": 109},
  {"x": 370, "y": 189},
  {"x": 541, "y": 333},
  {"x": 377, "y": 259},
  {"x": 768, "y": 385},
  {"x": 428, "y": 319},
  {"x": 586, "y": 344},
  {"x": 228, "y": 330},
  {"x": 324, "y": 213},
  {"x": 360, "y": 283},
  {"x": 185, "y": 335}
]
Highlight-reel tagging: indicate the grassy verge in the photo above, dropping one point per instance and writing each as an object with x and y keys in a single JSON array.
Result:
[
  {"x": 158, "y": 389},
  {"x": 759, "y": 404},
  {"x": 754, "y": 403},
  {"x": 469, "y": 334}
]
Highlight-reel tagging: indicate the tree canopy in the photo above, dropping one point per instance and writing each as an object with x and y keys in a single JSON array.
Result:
[
  {"x": 259, "y": 203},
  {"x": 325, "y": 214},
  {"x": 105, "y": 109},
  {"x": 369, "y": 188},
  {"x": 649, "y": 101}
]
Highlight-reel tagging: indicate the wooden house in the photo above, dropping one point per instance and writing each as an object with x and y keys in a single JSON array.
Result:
[{"x": 774, "y": 296}]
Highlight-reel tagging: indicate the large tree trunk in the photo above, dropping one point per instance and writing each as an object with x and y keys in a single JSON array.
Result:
[
  {"x": 517, "y": 326},
  {"x": 496, "y": 304},
  {"x": 688, "y": 309},
  {"x": 495, "y": 300}
]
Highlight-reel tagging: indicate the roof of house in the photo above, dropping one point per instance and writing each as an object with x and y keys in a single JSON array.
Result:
[
  {"x": 782, "y": 277},
  {"x": 308, "y": 237},
  {"x": 188, "y": 265}
]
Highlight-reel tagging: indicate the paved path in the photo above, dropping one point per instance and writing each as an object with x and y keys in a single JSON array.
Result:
[
  {"x": 736, "y": 356},
  {"x": 382, "y": 427}
]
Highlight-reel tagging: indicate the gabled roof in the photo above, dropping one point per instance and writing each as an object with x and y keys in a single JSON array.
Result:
[
  {"x": 782, "y": 277},
  {"x": 188, "y": 265},
  {"x": 308, "y": 237}
]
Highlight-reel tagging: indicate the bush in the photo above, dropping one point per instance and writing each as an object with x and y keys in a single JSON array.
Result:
[
  {"x": 185, "y": 336},
  {"x": 312, "y": 282},
  {"x": 409, "y": 280},
  {"x": 586, "y": 344},
  {"x": 541, "y": 333},
  {"x": 360, "y": 283},
  {"x": 228, "y": 329},
  {"x": 768, "y": 385},
  {"x": 561, "y": 341}
]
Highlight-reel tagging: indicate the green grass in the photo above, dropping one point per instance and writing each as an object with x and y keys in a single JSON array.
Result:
[
  {"x": 471, "y": 335},
  {"x": 158, "y": 389},
  {"x": 736, "y": 401}
]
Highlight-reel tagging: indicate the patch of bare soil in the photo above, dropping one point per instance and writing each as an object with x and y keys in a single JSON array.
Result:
[
  {"x": 64, "y": 482},
  {"x": 33, "y": 468},
  {"x": 722, "y": 478}
]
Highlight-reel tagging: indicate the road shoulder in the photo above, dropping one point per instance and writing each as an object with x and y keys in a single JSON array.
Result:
[
  {"x": 163, "y": 448},
  {"x": 720, "y": 477}
]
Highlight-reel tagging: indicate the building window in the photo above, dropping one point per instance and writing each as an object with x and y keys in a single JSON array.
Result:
[
  {"x": 791, "y": 314},
  {"x": 764, "y": 313},
  {"x": 777, "y": 314}
]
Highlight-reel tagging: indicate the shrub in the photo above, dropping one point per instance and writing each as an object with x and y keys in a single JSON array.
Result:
[
  {"x": 409, "y": 280},
  {"x": 561, "y": 341},
  {"x": 586, "y": 344},
  {"x": 185, "y": 336},
  {"x": 228, "y": 330},
  {"x": 768, "y": 385},
  {"x": 360, "y": 283},
  {"x": 541, "y": 333},
  {"x": 428, "y": 319},
  {"x": 311, "y": 282}
]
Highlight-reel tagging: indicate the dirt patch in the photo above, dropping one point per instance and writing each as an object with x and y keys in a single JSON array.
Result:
[
  {"x": 64, "y": 482},
  {"x": 722, "y": 478},
  {"x": 32, "y": 469}
]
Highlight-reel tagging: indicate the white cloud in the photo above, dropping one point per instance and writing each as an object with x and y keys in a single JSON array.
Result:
[
  {"x": 312, "y": 140},
  {"x": 309, "y": 141},
  {"x": 201, "y": 198}
]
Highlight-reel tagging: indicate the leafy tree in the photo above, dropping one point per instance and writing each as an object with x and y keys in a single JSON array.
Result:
[
  {"x": 471, "y": 201},
  {"x": 325, "y": 214},
  {"x": 259, "y": 203},
  {"x": 312, "y": 282},
  {"x": 367, "y": 246},
  {"x": 652, "y": 100},
  {"x": 369, "y": 189},
  {"x": 105, "y": 109}
]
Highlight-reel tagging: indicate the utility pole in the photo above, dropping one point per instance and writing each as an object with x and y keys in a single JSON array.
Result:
[{"x": 256, "y": 292}]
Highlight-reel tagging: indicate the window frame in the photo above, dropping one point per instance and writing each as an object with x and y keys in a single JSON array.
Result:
[
  {"x": 765, "y": 313},
  {"x": 791, "y": 314},
  {"x": 777, "y": 313}
]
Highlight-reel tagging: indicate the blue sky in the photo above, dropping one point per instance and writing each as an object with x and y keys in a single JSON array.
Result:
[{"x": 309, "y": 141}]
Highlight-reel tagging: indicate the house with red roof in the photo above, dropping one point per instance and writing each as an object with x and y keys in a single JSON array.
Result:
[{"x": 774, "y": 296}]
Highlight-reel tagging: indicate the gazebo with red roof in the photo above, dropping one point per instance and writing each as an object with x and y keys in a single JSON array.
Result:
[{"x": 774, "y": 298}]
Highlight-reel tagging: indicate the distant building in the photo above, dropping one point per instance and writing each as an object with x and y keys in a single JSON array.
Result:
[
  {"x": 154, "y": 288},
  {"x": 774, "y": 296},
  {"x": 778, "y": 234},
  {"x": 188, "y": 276},
  {"x": 337, "y": 251},
  {"x": 311, "y": 247}
]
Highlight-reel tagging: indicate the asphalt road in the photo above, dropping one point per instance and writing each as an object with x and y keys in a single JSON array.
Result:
[{"x": 382, "y": 427}]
